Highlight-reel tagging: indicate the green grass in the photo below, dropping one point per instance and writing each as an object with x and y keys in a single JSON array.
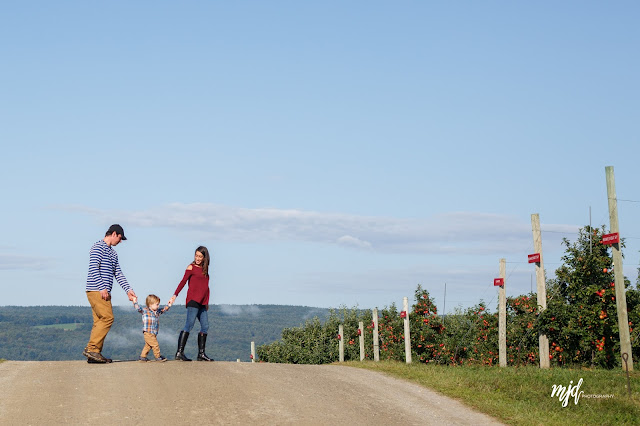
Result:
[
  {"x": 68, "y": 326},
  {"x": 522, "y": 396}
]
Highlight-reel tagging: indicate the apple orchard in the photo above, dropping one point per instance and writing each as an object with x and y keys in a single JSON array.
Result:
[{"x": 580, "y": 322}]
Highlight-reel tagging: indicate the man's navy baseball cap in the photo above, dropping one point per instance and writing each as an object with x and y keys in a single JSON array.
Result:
[{"x": 117, "y": 229}]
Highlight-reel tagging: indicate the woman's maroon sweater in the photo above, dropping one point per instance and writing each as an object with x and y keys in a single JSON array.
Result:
[{"x": 198, "y": 291}]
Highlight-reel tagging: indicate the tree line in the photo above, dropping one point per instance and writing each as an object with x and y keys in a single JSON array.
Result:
[{"x": 53, "y": 333}]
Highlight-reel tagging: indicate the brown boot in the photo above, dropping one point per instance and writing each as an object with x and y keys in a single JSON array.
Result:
[{"x": 95, "y": 357}]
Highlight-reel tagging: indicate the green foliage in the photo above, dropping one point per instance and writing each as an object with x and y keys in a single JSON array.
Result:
[
  {"x": 522, "y": 335},
  {"x": 580, "y": 322},
  {"x": 429, "y": 342},
  {"x": 633, "y": 309},
  {"x": 390, "y": 334},
  {"x": 316, "y": 342},
  {"x": 581, "y": 318}
]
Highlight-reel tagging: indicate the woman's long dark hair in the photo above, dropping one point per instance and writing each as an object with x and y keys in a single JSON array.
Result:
[{"x": 205, "y": 262}]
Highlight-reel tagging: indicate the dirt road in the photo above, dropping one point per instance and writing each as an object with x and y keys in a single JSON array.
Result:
[{"x": 123, "y": 393}]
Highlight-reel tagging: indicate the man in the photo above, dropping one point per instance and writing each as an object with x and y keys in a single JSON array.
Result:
[{"x": 103, "y": 267}]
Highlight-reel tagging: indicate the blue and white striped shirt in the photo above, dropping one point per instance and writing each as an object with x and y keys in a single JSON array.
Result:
[{"x": 103, "y": 267}]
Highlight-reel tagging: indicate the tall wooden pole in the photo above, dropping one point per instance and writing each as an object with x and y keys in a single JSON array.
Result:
[
  {"x": 502, "y": 319},
  {"x": 407, "y": 331},
  {"x": 621, "y": 298},
  {"x": 361, "y": 336},
  {"x": 341, "y": 342},
  {"x": 444, "y": 303},
  {"x": 376, "y": 342},
  {"x": 541, "y": 288}
]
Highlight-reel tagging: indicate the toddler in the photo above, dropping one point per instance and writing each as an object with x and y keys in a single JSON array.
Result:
[{"x": 150, "y": 326}]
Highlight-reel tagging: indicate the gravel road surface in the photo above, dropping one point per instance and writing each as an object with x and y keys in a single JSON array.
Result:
[{"x": 130, "y": 392}]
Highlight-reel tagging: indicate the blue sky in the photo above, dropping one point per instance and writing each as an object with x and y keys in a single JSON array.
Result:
[{"x": 327, "y": 153}]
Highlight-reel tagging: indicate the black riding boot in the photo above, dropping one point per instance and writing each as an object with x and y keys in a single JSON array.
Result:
[
  {"x": 182, "y": 342},
  {"x": 202, "y": 341}
]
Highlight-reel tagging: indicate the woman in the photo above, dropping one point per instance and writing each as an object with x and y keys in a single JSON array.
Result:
[{"x": 197, "y": 275}]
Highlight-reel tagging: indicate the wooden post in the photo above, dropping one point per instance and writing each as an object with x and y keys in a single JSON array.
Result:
[
  {"x": 341, "y": 342},
  {"x": 376, "y": 343},
  {"x": 361, "y": 336},
  {"x": 541, "y": 288},
  {"x": 444, "y": 303},
  {"x": 253, "y": 351},
  {"x": 621, "y": 298},
  {"x": 407, "y": 331},
  {"x": 502, "y": 319}
]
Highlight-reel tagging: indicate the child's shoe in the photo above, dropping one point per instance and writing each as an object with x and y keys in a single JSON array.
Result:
[
  {"x": 161, "y": 359},
  {"x": 143, "y": 359}
]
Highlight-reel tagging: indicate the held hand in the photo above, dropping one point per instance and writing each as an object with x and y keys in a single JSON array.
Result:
[
  {"x": 134, "y": 300},
  {"x": 132, "y": 295},
  {"x": 173, "y": 299},
  {"x": 105, "y": 294}
]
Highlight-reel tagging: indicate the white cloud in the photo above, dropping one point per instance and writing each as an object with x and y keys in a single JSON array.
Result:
[
  {"x": 23, "y": 262},
  {"x": 457, "y": 232},
  {"x": 348, "y": 240}
]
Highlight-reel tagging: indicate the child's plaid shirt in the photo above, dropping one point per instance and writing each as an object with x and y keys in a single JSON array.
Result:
[{"x": 150, "y": 318}]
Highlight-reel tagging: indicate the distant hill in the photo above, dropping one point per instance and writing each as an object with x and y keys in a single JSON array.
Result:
[{"x": 54, "y": 333}]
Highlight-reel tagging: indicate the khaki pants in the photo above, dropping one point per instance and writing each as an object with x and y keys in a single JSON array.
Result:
[
  {"x": 150, "y": 342},
  {"x": 102, "y": 320}
]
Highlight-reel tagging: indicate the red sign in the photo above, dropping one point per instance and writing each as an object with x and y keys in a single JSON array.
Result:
[
  {"x": 403, "y": 314},
  {"x": 610, "y": 238},
  {"x": 498, "y": 281},
  {"x": 534, "y": 258}
]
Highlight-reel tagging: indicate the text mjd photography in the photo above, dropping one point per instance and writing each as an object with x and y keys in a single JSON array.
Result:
[{"x": 563, "y": 393}]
